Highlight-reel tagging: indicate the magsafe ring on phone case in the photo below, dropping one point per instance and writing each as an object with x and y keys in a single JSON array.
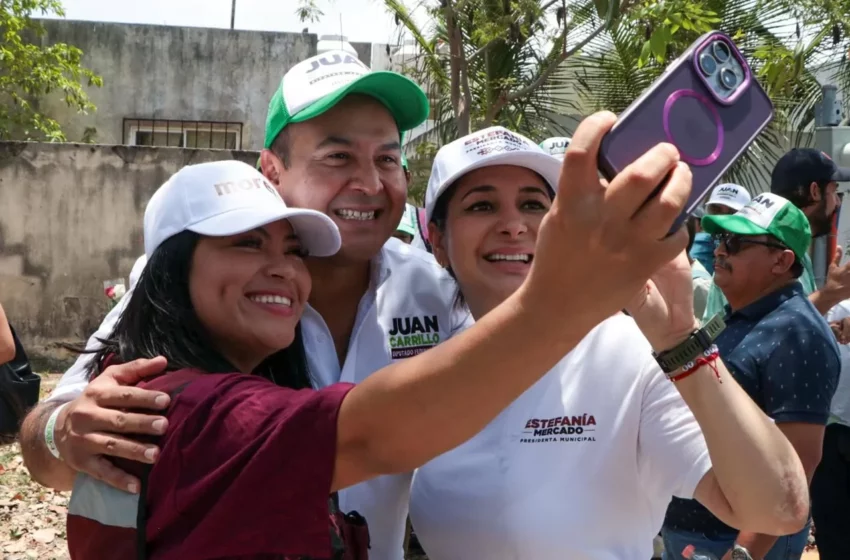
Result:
[{"x": 688, "y": 118}]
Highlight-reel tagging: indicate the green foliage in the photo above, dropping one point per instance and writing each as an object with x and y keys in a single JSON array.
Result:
[
  {"x": 308, "y": 10},
  {"x": 488, "y": 62},
  {"x": 783, "y": 42},
  {"x": 30, "y": 70}
]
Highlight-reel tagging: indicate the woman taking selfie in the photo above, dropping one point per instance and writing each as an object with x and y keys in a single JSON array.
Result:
[
  {"x": 248, "y": 468},
  {"x": 584, "y": 463}
]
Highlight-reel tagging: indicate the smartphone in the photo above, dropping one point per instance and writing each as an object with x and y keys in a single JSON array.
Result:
[{"x": 707, "y": 103}]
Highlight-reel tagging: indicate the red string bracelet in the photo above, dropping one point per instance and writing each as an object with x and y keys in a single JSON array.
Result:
[{"x": 709, "y": 357}]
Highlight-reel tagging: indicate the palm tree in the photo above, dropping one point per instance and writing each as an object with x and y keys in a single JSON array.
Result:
[
  {"x": 784, "y": 43},
  {"x": 486, "y": 62}
]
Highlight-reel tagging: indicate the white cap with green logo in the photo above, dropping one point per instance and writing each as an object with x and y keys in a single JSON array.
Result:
[
  {"x": 556, "y": 146},
  {"x": 408, "y": 220},
  {"x": 317, "y": 84},
  {"x": 767, "y": 214}
]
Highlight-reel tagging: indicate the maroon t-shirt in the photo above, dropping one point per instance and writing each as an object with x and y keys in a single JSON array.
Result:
[{"x": 244, "y": 472}]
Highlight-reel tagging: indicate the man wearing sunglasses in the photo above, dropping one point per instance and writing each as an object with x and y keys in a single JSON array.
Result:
[
  {"x": 778, "y": 347},
  {"x": 809, "y": 179}
]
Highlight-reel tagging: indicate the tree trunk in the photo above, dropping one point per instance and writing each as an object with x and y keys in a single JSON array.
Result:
[{"x": 460, "y": 101}]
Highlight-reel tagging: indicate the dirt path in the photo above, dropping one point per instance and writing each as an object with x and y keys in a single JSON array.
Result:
[{"x": 32, "y": 518}]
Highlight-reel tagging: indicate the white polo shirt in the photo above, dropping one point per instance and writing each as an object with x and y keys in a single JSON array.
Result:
[
  {"x": 408, "y": 309},
  {"x": 580, "y": 467}
]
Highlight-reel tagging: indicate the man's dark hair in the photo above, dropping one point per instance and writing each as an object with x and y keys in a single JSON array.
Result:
[
  {"x": 160, "y": 320},
  {"x": 281, "y": 148}
]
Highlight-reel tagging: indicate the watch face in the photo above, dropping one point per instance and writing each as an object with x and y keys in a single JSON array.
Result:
[{"x": 740, "y": 553}]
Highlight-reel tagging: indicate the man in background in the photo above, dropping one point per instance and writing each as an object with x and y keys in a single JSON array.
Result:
[
  {"x": 406, "y": 229},
  {"x": 727, "y": 198},
  {"x": 780, "y": 350},
  {"x": 809, "y": 179}
]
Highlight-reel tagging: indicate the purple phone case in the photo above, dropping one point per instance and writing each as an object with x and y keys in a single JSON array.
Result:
[{"x": 711, "y": 133}]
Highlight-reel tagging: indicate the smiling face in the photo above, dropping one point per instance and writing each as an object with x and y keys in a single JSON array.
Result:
[
  {"x": 825, "y": 204},
  {"x": 249, "y": 291},
  {"x": 492, "y": 219},
  {"x": 747, "y": 267},
  {"x": 347, "y": 164}
]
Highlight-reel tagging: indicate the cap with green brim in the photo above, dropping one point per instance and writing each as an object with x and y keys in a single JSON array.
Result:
[
  {"x": 314, "y": 86},
  {"x": 408, "y": 220},
  {"x": 766, "y": 214},
  {"x": 403, "y": 157}
]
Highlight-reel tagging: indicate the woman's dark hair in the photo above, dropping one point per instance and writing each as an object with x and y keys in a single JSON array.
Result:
[
  {"x": 159, "y": 320},
  {"x": 439, "y": 218}
]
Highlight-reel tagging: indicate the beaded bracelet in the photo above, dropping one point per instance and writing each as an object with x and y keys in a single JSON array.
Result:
[{"x": 709, "y": 357}]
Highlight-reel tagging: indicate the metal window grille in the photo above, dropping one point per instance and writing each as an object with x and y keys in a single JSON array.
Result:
[{"x": 219, "y": 135}]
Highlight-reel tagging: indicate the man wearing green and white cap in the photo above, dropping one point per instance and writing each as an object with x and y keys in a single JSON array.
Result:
[
  {"x": 332, "y": 144},
  {"x": 777, "y": 346},
  {"x": 406, "y": 229}
]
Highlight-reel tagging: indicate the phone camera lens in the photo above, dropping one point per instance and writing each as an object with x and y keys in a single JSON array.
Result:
[
  {"x": 728, "y": 78},
  {"x": 721, "y": 51},
  {"x": 707, "y": 64}
]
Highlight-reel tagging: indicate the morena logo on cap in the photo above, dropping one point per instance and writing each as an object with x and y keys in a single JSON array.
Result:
[{"x": 229, "y": 187}]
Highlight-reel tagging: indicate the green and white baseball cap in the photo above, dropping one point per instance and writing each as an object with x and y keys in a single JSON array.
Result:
[
  {"x": 408, "y": 220},
  {"x": 767, "y": 214},
  {"x": 317, "y": 84}
]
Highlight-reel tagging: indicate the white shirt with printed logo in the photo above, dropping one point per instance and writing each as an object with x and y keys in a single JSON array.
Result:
[
  {"x": 581, "y": 467},
  {"x": 408, "y": 308}
]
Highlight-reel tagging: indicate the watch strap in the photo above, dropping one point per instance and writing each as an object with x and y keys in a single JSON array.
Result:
[{"x": 698, "y": 342}]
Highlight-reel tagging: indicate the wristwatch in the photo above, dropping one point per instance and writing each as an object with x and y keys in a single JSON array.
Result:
[
  {"x": 741, "y": 553},
  {"x": 693, "y": 347}
]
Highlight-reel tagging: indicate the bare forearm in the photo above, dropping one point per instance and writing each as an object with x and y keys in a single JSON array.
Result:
[
  {"x": 7, "y": 342},
  {"x": 415, "y": 410},
  {"x": 823, "y": 301},
  {"x": 44, "y": 468},
  {"x": 757, "y": 469}
]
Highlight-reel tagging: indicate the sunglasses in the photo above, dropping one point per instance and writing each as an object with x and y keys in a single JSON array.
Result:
[{"x": 735, "y": 243}]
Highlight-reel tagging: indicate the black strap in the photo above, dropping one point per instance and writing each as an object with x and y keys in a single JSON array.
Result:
[
  {"x": 142, "y": 517},
  {"x": 19, "y": 391}
]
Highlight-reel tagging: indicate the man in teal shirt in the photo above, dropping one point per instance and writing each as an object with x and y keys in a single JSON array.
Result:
[{"x": 809, "y": 179}]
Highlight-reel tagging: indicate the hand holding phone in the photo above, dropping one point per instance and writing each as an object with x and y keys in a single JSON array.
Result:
[{"x": 707, "y": 104}]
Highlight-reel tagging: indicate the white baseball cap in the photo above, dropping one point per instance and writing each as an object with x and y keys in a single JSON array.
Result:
[
  {"x": 556, "y": 146},
  {"x": 226, "y": 198},
  {"x": 317, "y": 84},
  {"x": 492, "y": 146},
  {"x": 731, "y": 195}
]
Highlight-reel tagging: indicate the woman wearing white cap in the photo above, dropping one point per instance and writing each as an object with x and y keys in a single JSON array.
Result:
[
  {"x": 251, "y": 455},
  {"x": 583, "y": 464}
]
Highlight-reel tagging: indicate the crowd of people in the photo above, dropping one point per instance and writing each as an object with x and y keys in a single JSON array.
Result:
[{"x": 529, "y": 367}]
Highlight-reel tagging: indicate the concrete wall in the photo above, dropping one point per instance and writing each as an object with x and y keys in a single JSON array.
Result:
[
  {"x": 70, "y": 218},
  {"x": 187, "y": 73}
]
